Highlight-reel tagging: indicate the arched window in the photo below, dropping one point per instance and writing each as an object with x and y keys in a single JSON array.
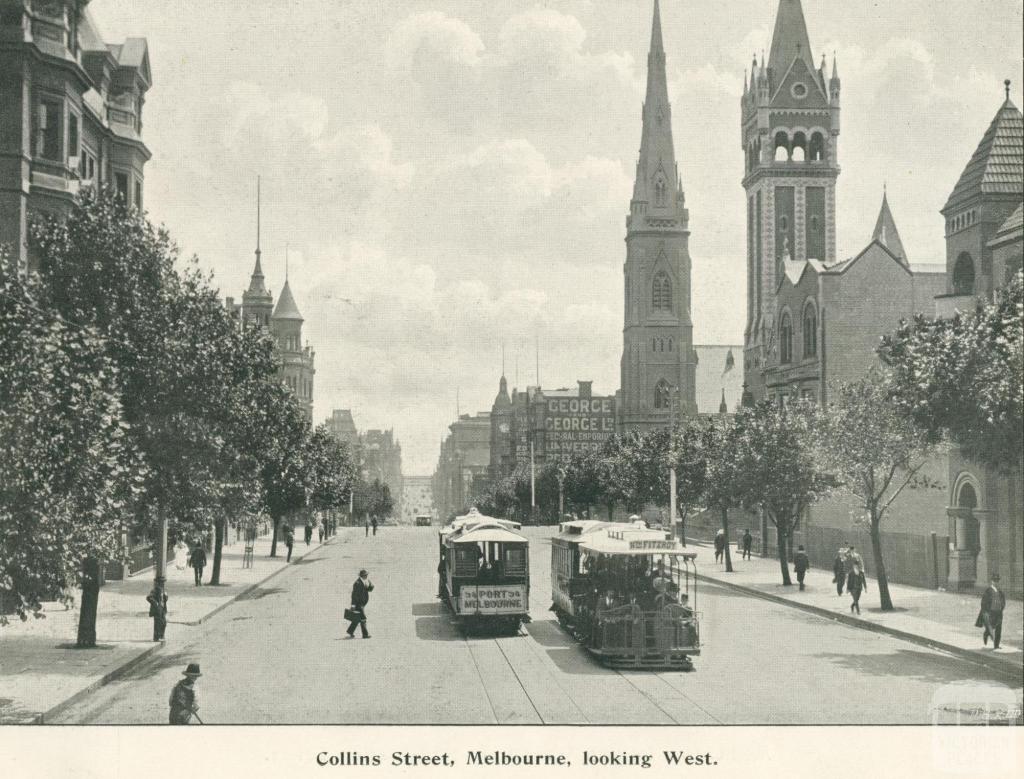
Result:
[
  {"x": 785, "y": 338},
  {"x": 963, "y": 275},
  {"x": 810, "y": 330},
  {"x": 781, "y": 153},
  {"x": 799, "y": 147},
  {"x": 661, "y": 292},
  {"x": 670, "y": 344},
  {"x": 817, "y": 150},
  {"x": 662, "y": 393},
  {"x": 660, "y": 191},
  {"x": 968, "y": 500}
]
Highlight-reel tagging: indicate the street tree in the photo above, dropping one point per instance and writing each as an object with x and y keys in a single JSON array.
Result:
[
  {"x": 582, "y": 486},
  {"x": 961, "y": 377},
  {"x": 67, "y": 470},
  {"x": 776, "y": 468},
  {"x": 723, "y": 491},
  {"x": 691, "y": 447},
  {"x": 874, "y": 451}
]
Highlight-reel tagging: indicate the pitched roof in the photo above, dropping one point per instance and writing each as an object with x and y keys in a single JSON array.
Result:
[
  {"x": 256, "y": 285},
  {"x": 886, "y": 232},
  {"x": 789, "y": 40},
  {"x": 997, "y": 166},
  {"x": 286, "y": 308},
  {"x": 1012, "y": 228}
]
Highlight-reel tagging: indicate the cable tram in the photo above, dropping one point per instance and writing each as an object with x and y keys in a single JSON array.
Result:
[
  {"x": 627, "y": 593},
  {"x": 484, "y": 572}
]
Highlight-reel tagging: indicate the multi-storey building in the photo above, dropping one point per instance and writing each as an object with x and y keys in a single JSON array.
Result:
[
  {"x": 70, "y": 113},
  {"x": 790, "y": 141},
  {"x": 382, "y": 459},
  {"x": 463, "y": 464},
  {"x": 658, "y": 362}
]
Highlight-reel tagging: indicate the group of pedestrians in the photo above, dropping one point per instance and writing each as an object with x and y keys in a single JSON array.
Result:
[
  {"x": 193, "y": 557},
  {"x": 848, "y": 572},
  {"x": 371, "y": 523}
]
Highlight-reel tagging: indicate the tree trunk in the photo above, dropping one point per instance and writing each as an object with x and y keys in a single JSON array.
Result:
[
  {"x": 90, "y": 603},
  {"x": 725, "y": 529},
  {"x": 784, "y": 555},
  {"x": 885, "y": 600},
  {"x": 611, "y": 512},
  {"x": 273, "y": 539},
  {"x": 219, "y": 529}
]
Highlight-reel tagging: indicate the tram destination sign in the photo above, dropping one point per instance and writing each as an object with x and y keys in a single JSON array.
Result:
[
  {"x": 652, "y": 545},
  {"x": 493, "y": 599}
]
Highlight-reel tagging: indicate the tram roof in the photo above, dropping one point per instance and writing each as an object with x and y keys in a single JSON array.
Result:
[
  {"x": 631, "y": 540},
  {"x": 487, "y": 534},
  {"x": 577, "y": 529},
  {"x": 475, "y": 518}
]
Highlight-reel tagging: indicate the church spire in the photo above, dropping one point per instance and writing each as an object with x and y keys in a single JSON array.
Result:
[
  {"x": 657, "y": 180},
  {"x": 256, "y": 284},
  {"x": 886, "y": 232},
  {"x": 789, "y": 41}
]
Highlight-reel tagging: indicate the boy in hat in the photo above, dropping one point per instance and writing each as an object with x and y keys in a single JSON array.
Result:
[{"x": 183, "y": 701}]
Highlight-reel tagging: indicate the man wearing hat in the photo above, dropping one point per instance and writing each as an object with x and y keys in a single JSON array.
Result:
[
  {"x": 360, "y": 597},
  {"x": 183, "y": 701},
  {"x": 991, "y": 615}
]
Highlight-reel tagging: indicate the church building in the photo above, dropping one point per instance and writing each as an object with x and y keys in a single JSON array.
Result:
[{"x": 658, "y": 381}]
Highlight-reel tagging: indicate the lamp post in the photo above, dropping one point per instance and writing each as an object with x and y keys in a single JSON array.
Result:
[
  {"x": 673, "y": 400},
  {"x": 561, "y": 494}
]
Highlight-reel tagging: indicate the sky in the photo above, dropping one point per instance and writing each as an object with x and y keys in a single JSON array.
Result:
[{"x": 452, "y": 175}]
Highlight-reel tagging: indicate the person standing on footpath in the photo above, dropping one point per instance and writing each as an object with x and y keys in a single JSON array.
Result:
[
  {"x": 158, "y": 611},
  {"x": 367, "y": 534},
  {"x": 308, "y": 532},
  {"x": 856, "y": 582},
  {"x": 993, "y": 602},
  {"x": 361, "y": 590},
  {"x": 839, "y": 570},
  {"x": 800, "y": 564},
  {"x": 289, "y": 540},
  {"x": 320, "y": 529},
  {"x": 183, "y": 701},
  {"x": 719, "y": 545},
  {"x": 198, "y": 562},
  {"x": 374, "y": 523},
  {"x": 748, "y": 540}
]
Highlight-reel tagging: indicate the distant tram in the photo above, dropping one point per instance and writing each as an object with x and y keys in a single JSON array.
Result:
[
  {"x": 484, "y": 572},
  {"x": 627, "y": 593}
]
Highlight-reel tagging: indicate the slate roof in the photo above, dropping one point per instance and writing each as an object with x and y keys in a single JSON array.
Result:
[
  {"x": 286, "y": 308},
  {"x": 997, "y": 166},
  {"x": 886, "y": 232},
  {"x": 1013, "y": 227},
  {"x": 789, "y": 40}
]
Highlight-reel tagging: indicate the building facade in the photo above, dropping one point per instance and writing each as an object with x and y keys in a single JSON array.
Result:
[
  {"x": 463, "y": 464},
  {"x": 417, "y": 498},
  {"x": 70, "y": 114},
  {"x": 984, "y": 217},
  {"x": 790, "y": 141},
  {"x": 658, "y": 362},
  {"x": 381, "y": 458}
]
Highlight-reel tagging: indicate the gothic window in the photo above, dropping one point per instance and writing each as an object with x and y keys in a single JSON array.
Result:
[
  {"x": 963, "y": 275},
  {"x": 781, "y": 146},
  {"x": 661, "y": 293},
  {"x": 810, "y": 330},
  {"x": 799, "y": 147},
  {"x": 662, "y": 394},
  {"x": 670, "y": 344},
  {"x": 817, "y": 150},
  {"x": 660, "y": 191},
  {"x": 785, "y": 339}
]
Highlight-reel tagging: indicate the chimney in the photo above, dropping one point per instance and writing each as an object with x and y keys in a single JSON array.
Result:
[{"x": 585, "y": 389}]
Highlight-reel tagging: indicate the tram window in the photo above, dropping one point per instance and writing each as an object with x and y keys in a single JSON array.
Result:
[
  {"x": 466, "y": 561},
  {"x": 515, "y": 562}
]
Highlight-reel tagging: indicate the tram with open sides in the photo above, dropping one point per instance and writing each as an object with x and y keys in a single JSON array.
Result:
[
  {"x": 484, "y": 573},
  {"x": 627, "y": 593}
]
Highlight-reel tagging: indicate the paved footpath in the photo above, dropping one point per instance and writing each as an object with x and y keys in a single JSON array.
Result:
[
  {"x": 934, "y": 617},
  {"x": 41, "y": 670}
]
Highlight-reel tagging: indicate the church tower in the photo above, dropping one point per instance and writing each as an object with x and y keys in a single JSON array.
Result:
[
  {"x": 790, "y": 136},
  {"x": 658, "y": 361}
]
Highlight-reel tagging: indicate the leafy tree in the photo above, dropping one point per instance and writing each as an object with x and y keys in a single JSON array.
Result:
[
  {"x": 582, "y": 487},
  {"x": 635, "y": 468},
  {"x": 874, "y": 451},
  {"x": 691, "y": 447},
  {"x": 67, "y": 469},
  {"x": 776, "y": 468},
  {"x": 723, "y": 490},
  {"x": 962, "y": 377}
]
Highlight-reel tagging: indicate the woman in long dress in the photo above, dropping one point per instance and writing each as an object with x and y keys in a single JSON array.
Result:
[{"x": 181, "y": 555}]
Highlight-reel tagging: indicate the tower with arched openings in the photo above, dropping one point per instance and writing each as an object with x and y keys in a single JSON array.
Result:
[
  {"x": 658, "y": 360},
  {"x": 790, "y": 135}
]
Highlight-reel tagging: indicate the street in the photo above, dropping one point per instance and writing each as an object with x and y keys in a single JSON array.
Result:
[{"x": 279, "y": 655}]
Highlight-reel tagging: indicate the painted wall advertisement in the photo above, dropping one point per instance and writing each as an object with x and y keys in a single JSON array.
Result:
[{"x": 577, "y": 424}]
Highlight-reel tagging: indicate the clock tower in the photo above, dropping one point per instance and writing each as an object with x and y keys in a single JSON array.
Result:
[{"x": 503, "y": 459}]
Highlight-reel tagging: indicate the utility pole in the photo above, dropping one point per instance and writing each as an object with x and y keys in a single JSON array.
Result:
[
  {"x": 533, "y": 479},
  {"x": 159, "y": 578},
  {"x": 673, "y": 400}
]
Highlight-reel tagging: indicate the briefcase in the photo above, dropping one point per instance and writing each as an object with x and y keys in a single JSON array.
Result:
[{"x": 354, "y": 616}]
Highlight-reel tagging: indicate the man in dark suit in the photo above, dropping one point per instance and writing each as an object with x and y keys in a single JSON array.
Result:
[
  {"x": 800, "y": 564},
  {"x": 360, "y": 597},
  {"x": 993, "y": 601}
]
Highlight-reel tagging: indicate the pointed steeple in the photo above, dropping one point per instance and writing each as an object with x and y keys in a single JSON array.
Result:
[
  {"x": 657, "y": 179},
  {"x": 286, "y": 307},
  {"x": 886, "y": 232},
  {"x": 789, "y": 40},
  {"x": 256, "y": 285}
]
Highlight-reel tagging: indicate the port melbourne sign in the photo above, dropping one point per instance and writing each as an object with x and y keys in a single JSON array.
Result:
[{"x": 493, "y": 599}]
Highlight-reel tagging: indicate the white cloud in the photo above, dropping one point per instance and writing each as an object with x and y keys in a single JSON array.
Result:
[{"x": 444, "y": 37}]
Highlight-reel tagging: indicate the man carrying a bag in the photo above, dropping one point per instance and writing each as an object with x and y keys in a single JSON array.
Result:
[{"x": 356, "y": 615}]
